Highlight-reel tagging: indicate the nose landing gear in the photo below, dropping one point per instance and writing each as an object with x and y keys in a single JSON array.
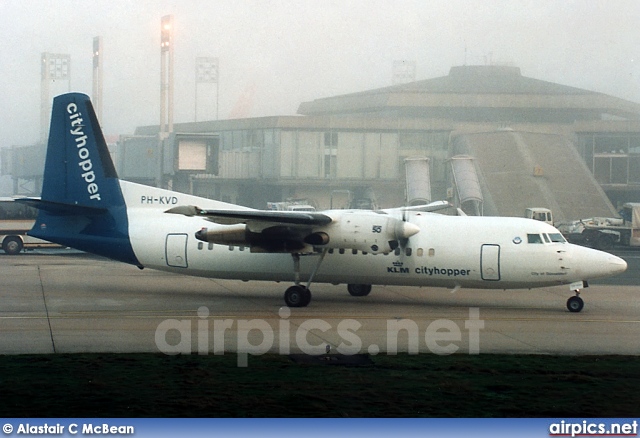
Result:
[{"x": 575, "y": 303}]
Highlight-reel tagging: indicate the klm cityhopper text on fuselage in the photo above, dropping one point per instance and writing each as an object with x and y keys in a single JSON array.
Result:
[
  {"x": 424, "y": 270},
  {"x": 89, "y": 208}
]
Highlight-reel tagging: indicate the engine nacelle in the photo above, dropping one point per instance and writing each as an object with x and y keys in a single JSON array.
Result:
[
  {"x": 365, "y": 231},
  {"x": 274, "y": 239},
  {"x": 233, "y": 235}
]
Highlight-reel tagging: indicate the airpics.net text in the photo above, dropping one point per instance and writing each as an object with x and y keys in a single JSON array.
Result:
[{"x": 256, "y": 337}]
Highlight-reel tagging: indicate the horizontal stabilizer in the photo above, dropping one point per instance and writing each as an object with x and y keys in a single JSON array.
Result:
[{"x": 61, "y": 209}]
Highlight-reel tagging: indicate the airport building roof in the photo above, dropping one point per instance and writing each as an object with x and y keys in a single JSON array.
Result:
[{"x": 479, "y": 94}]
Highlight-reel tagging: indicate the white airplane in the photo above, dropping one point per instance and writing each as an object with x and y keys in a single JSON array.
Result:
[{"x": 85, "y": 206}]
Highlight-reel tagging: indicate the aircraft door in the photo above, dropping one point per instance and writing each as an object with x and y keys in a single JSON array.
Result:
[
  {"x": 176, "y": 250},
  {"x": 490, "y": 262}
]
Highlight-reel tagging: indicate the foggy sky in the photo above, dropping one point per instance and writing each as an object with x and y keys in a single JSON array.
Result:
[{"x": 277, "y": 54}]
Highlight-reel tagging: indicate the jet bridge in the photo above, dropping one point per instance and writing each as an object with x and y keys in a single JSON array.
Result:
[
  {"x": 468, "y": 194},
  {"x": 418, "y": 180}
]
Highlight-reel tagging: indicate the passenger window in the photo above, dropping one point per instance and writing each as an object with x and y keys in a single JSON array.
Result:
[
  {"x": 534, "y": 238},
  {"x": 354, "y": 251},
  {"x": 330, "y": 251},
  {"x": 341, "y": 250},
  {"x": 242, "y": 248},
  {"x": 397, "y": 251},
  {"x": 230, "y": 247},
  {"x": 408, "y": 251},
  {"x": 200, "y": 245},
  {"x": 210, "y": 246},
  {"x": 546, "y": 238},
  {"x": 420, "y": 252},
  {"x": 432, "y": 252}
]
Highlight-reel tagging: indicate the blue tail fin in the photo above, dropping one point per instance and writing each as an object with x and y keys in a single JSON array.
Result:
[
  {"x": 81, "y": 204},
  {"x": 78, "y": 168}
]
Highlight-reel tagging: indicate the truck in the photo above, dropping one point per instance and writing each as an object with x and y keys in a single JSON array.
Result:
[
  {"x": 539, "y": 214},
  {"x": 598, "y": 232}
]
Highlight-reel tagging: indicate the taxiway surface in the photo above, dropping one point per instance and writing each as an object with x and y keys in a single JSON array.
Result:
[{"x": 70, "y": 302}]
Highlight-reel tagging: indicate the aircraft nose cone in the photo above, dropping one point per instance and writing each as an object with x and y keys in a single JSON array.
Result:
[
  {"x": 617, "y": 264},
  {"x": 591, "y": 263}
]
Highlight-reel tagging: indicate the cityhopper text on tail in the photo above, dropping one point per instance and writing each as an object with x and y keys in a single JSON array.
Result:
[{"x": 85, "y": 206}]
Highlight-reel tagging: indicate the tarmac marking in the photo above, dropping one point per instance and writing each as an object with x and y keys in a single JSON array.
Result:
[{"x": 149, "y": 315}]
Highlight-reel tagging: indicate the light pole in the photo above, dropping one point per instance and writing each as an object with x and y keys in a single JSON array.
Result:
[
  {"x": 166, "y": 74},
  {"x": 97, "y": 77},
  {"x": 166, "y": 91}
]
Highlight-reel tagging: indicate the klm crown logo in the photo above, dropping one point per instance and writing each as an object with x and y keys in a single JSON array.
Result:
[{"x": 397, "y": 269}]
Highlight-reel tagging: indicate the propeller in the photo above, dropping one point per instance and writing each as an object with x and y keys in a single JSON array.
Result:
[{"x": 402, "y": 231}]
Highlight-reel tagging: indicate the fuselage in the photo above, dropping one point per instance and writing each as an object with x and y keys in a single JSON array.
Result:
[{"x": 449, "y": 251}]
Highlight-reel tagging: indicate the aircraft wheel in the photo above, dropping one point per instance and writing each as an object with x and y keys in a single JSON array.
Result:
[
  {"x": 297, "y": 296},
  {"x": 12, "y": 245},
  {"x": 575, "y": 304},
  {"x": 359, "y": 290}
]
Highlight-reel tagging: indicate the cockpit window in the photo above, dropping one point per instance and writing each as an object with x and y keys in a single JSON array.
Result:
[
  {"x": 534, "y": 238},
  {"x": 557, "y": 237},
  {"x": 546, "y": 238}
]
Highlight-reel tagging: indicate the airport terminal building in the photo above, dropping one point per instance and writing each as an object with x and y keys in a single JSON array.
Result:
[{"x": 483, "y": 137}]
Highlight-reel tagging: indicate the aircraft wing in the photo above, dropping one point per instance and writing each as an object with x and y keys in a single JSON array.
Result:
[
  {"x": 230, "y": 217},
  {"x": 302, "y": 232}
]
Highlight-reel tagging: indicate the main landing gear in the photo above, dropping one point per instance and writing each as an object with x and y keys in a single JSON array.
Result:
[
  {"x": 575, "y": 304},
  {"x": 299, "y": 295},
  {"x": 359, "y": 290}
]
